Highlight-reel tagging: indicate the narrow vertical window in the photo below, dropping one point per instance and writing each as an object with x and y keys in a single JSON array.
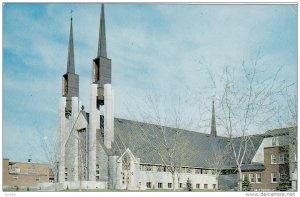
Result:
[
  {"x": 214, "y": 186},
  {"x": 281, "y": 158},
  {"x": 251, "y": 178},
  {"x": 244, "y": 177},
  {"x": 258, "y": 178},
  {"x": 274, "y": 177},
  {"x": 96, "y": 72},
  {"x": 273, "y": 159},
  {"x": 65, "y": 85},
  {"x": 160, "y": 185},
  {"x": 275, "y": 141},
  {"x": 148, "y": 185}
]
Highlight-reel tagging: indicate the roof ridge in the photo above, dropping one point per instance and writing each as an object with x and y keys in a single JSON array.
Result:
[{"x": 170, "y": 127}]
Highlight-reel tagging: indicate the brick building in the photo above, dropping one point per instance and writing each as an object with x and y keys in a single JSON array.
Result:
[
  {"x": 24, "y": 175},
  {"x": 254, "y": 173},
  {"x": 271, "y": 165}
]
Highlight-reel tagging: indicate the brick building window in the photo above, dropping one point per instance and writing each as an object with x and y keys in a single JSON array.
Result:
[
  {"x": 205, "y": 186},
  {"x": 169, "y": 185},
  {"x": 281, "y": 158},
  {"x": 251, "y": 178},
  {"x": 274, "y": 177},
  {"x": 198, "y": 186},
  {"x": 14, "y": 170},
  {"x": 31, "y": 171},
  {"x": 258, "y": 178},
  {"x": 275, "y": 141},
  {"x": 273, "y": 159},
  {"x": 244, "y": 177},
  {"x": 160, "y": 185},
  {"x": 148, "y": 185}
]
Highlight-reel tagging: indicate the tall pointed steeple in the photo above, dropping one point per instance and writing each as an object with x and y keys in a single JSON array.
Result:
[
  {"x": 213, "y": 121},
  {"x": 102, "y": 37},
  {"x": 70, "y": 66},
  {"x": 101, "y": 100},
  {"x": 101, "y": 64},
  {"x": 70, "y": 79}
]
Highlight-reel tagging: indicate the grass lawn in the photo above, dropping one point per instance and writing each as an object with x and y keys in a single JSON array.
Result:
[
  {"x": 108, "y": 190},
  {"x": 19, "y": 190},
  {"x": 148, "y": 190}
]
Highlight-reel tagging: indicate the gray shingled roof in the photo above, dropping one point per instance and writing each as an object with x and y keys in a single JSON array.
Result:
[
  {"x": 279, "y": 132},
  {"x": 201, "y": 148},
  {"x": 252, "y": 146}
]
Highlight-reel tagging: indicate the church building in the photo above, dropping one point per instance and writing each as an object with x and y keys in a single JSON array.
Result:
[{"x": 99, "y": 151}]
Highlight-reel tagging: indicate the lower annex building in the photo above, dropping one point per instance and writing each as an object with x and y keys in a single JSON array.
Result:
[{"x": 25, "y": 175}]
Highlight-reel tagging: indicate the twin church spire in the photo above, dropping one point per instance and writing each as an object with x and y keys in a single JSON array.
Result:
[
  {"x": 71, "y": 79},
  {"x": 101, "y": 43},
  {"x": 70, "y": 64},
  {"x": 102, "y": 37}
]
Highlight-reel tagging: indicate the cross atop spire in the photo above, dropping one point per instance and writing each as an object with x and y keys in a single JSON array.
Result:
[
  {"x": 70, "y": 64},
  {"x": 213, "y": 121},
  {"x": 102, "y": 37}
]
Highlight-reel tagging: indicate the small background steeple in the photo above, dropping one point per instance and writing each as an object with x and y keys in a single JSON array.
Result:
[{"x": 213, "y": 121}]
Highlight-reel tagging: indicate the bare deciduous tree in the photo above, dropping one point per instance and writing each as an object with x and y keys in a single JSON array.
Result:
[
  {"x": 220, "y": 155},
  {"x": 50, "y": 147},
  {"x": 248, "y": 101},
  {"x": 167, "y": 142}
]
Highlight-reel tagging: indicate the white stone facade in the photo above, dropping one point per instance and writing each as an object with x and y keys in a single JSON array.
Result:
[
  {"x": 166, "y": 178},
  {"x": 94, "y": 124},
  {"x": 108, "y": 115}
]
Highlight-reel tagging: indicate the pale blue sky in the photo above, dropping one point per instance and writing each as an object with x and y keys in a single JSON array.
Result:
[{"x": 153, "y": 47}]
